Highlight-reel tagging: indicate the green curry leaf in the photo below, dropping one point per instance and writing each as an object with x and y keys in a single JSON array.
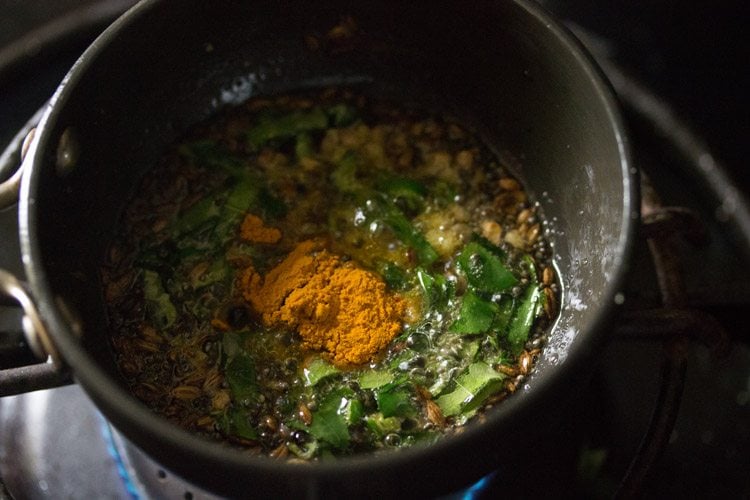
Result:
[
  {"x": 342, "y": 115},
  {"x": 344, "y": 175},
  {"x": 395, "y": 277},
  {"x": 476, "y": 315},
  {"x": 240, "y": 425},
  {"x": 436, "y": 289},
  {"x": 272, "y": 126},
  {"x": 160, "y": 309},
  {"x": 329, "y": 424},
  {"x": 382, "y": 426},
  {"x": 473, "y": 387},
  {"x": 196, "y": 215},
  {"x": 317, "y": 370},
  {"x": 406, "y": 193},
  {"x": 484, "y": 269},
  {"x": 395, "y": 401},
  {"x": 240, "y": 375},
  {"x": 372, "y": 379}
]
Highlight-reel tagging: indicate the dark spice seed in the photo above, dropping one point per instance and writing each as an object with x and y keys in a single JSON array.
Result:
[{"x": 238, "y": 316}]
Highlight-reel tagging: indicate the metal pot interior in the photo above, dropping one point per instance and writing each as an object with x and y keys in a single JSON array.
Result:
[{"x": 502, "y": 68}]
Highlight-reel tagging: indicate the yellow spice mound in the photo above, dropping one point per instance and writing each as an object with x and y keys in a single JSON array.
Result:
[{"x": 335, "y": 306}]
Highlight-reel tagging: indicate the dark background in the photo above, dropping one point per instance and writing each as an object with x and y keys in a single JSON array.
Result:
[{"x": 693, "y": 53}]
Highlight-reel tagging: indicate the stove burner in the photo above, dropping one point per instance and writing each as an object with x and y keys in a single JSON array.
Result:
[
  {"x": 59, "y": 445},
  {"x": 144, "y": 478},
  {"x": 62, "y": 447}
]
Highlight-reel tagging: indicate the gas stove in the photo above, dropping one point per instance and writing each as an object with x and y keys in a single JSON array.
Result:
[{"x": 54, "y": 443}]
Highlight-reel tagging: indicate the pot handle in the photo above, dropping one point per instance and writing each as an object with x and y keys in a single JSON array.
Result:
[
  {"x": 45, "y": 375},
  {"x": 11, "y": 160},
  {"x": 10, "y": 188}
]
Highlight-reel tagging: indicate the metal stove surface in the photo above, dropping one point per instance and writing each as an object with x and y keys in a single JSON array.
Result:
[{"x": 55, "y": 444}]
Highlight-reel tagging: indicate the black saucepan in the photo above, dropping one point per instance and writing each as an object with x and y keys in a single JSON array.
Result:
[{"x": 504, "y": 67}]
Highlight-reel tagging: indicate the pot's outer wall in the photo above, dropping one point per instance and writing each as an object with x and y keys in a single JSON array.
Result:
[{"x": 502, "y": 66}]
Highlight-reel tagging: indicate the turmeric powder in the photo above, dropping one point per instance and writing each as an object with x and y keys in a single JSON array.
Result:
[
  {"x": 255, "y": 231},
  {"x": 337, "y": 307}
]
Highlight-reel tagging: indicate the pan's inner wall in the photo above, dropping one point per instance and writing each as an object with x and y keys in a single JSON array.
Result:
[{"x": 495, "y": 65}]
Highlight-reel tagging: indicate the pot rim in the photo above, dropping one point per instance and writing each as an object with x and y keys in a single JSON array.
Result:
[{"x": 124, "y": 409}]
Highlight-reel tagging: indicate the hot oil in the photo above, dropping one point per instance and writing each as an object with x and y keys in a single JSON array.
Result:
[{"x": 420, "y": 184}]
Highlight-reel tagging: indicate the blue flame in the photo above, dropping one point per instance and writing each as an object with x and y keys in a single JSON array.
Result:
[{"x": 474, "y": 491}]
